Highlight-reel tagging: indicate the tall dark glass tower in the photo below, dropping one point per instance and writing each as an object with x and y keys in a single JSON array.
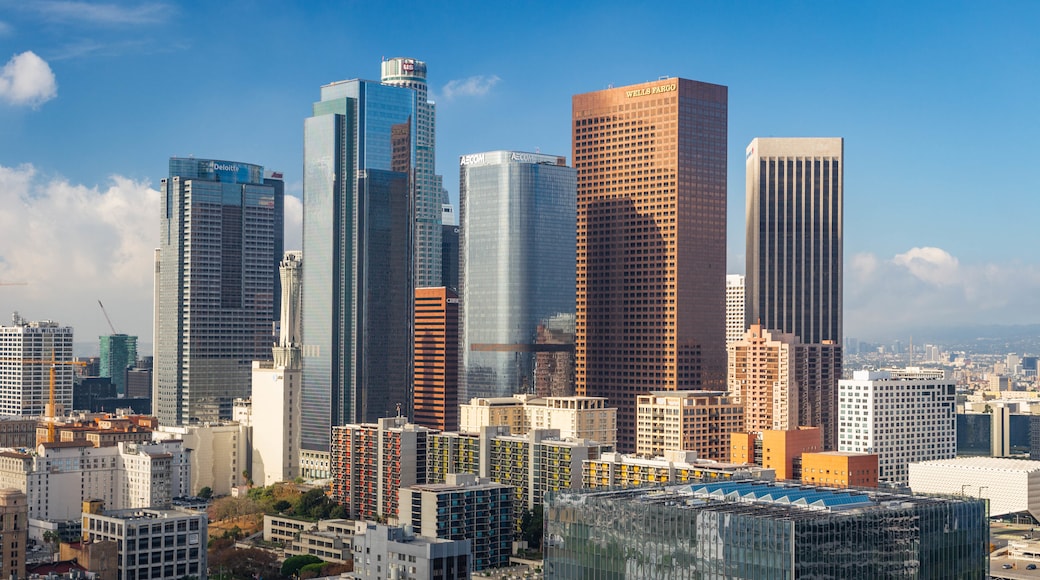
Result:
[
  {"x": 516, "y": 266},
  {"x": 794, "y": 236},
  {"x": 358, "y": 181},
  {"x": 794, "y": 260},
  {"x": 221, "y": 237}
]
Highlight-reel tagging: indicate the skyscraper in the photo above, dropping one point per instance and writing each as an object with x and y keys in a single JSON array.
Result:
[
  {"x": 26, "y": 348},
  {"x": 794, "y": 236},
  {"x": 516, "y": 266},
  {"x": 220, "y": 240},
  {"x": 359, "y": 157},
  {"x": 651, "y": 163},
  {"x": 411, "y": 73},
  {"x": 735, "y": 321},
  {"x": 118, "y": 353},
  {"x": 437, "y": 358}
]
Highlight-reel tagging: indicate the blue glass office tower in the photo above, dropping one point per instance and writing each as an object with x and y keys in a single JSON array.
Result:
[
  {"x": 516, "y": 266},
  {"x": 118, "y": 353},
  {"x": 358, "y": 181},
  {"x": 221, "y": 238}
]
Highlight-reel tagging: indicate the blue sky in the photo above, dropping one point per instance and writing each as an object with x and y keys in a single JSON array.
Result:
[{"x": 936, "y": 102}]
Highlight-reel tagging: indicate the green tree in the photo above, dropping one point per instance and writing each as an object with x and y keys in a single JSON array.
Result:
[
  {"x": 281, "y": 505},
  {"x": 293, "y": 564},
  {"x": 206, "y": 492},
  {"x": 312, "y": 570},
  {"x": 531, "y": 527}
]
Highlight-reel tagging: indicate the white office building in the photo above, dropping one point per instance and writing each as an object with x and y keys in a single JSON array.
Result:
[
  {"x": 902, "y": 415},
  {"x": 152, "y": 543},
  {"x": 735, "y": 321},
  {"x": 27, "y": 350},
  {"x": 1010, "y": 485}
]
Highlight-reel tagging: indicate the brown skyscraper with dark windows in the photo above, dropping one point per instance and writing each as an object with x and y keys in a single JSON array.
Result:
[
  {"x": 436, "y": 358},
  {"x": 651, "y": 259}
]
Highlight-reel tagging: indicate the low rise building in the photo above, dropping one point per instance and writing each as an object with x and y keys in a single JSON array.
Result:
[
  {"x": 776, "y": 449},
  {"x": 754, "y": 529},
  {"x": 840, "y": 469},
  {"x": 1010, "y": 485},
  {"x": 151, "y": 543},
  {"x": 382, "y": 552}
]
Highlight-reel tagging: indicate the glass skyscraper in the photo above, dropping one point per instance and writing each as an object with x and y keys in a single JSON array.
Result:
[
  {"x": 411, "y": 73},
  {"x": 221, "y": 237},
  {"x": 516, "y": 266},
  {"x": 359, "y": 163},
  {"x": 118, "y": 352}
]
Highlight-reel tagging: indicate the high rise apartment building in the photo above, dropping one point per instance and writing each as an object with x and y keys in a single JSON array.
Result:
[
  {"x": 436, "y": 403},
  {"x": 762, "y": 377},
  {"x": 428, "y": 204},
  {"x": 902, "y": 415},
  {"x": 118, "y": 353},
  {"x": 276, "y": 397},
  {"x": 651, "y": 255},
  {"x": 465, "y": 507},
  {"x": 794, "y": 236},
  {"x": 371, "y": 462},
  {"x": 221, "y": 237},
  {"x": 735, "y": 320},
  {"x": 359, "y": 160},
  {"x": 26, "y": 352},
  {"x": 516, "y": 266},
  {"x": 698, "y": 421},
  {"x": 784, "y": 384}
]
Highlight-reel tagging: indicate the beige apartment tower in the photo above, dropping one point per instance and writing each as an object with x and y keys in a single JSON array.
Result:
[
  {"x": 651, "y": 242},
  {"x": 698, "y": 421},
  {"x": 785, "y": 384}
]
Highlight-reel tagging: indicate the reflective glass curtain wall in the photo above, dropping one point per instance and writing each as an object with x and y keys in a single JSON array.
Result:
[
  {"x": 221, "y": 238},
  {"x": 359, "y": 159},
  {"x": 516, "y": 266}
]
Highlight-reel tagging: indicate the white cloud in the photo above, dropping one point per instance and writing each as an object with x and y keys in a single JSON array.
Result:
[
  {"x": 75, "y": 244},
  {"x": 475, "y": 86},
  {"x": 98, "y": 13},
  {"x": 928, "y": 288},
  {"x": 933, "y": 265},
  {"x": 27, "y": 79}
]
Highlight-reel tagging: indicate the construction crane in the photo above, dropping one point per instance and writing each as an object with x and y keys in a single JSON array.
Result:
[
  {"x": 105, "y": 312},
  {"x": 50, "y": 410},
  {"x": 14, "y": 283}
]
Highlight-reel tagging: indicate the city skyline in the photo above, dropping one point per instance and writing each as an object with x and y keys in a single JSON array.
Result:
[{"x": 84, "y": 147}]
